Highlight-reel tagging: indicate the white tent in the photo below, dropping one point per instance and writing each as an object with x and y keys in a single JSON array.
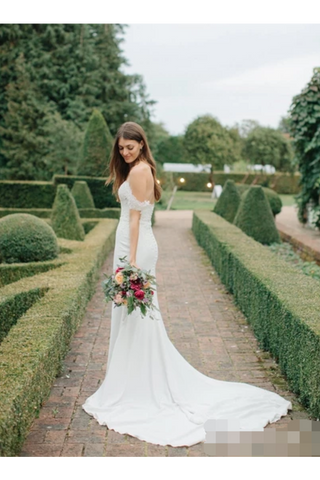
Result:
[{"x": 186, "y": 167}]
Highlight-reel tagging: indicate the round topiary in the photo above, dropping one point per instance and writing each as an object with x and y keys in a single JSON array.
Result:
[
  {"x": 26, "y": 238},
  {"x": 228, "y": 202},
  {"x": 255, "y": 218}
]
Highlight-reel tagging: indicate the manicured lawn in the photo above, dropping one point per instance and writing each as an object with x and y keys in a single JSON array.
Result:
[{"x": 193, "y": 200}]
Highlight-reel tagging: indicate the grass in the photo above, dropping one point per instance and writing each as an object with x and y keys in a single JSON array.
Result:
[{"x": 202, "y": 200}]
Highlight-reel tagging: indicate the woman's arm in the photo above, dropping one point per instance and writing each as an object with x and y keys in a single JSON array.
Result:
[{"x": 138, "y": 185}]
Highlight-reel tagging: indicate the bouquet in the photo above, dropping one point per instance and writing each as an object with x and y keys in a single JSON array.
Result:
[{"x": 130, "y": 286}]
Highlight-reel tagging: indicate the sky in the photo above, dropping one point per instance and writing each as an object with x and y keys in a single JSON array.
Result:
[{"x": 231, "y": 71}]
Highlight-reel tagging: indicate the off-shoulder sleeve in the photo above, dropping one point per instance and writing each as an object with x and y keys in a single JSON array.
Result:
[{"x": 134, "y": 203}]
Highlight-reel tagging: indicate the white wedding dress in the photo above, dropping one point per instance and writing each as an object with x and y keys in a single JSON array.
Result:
[{"x": 150, "y": 391}]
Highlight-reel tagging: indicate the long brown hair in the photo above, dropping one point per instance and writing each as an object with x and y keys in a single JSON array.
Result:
[{"x": 119, "y": 169}]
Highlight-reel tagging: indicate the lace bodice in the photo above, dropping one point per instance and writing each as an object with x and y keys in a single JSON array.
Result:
[{"x": 129, "y": 201}]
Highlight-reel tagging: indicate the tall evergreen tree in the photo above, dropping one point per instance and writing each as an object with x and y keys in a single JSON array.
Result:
[
  {"x": 23, "y": 136},
  {"x": 76, "y": 67},
  {"x": 96, "y": 147}
]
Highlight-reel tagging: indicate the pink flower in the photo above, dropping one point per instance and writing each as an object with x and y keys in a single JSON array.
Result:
[
  {"x": 139, "y": 294},
  {"x": 118, "y": 298}
]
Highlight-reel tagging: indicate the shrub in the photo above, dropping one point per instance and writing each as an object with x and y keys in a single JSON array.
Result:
[
  {"x": 255, "y": 218},
  {"x": 228, "y": 202},
  {"x": 97, "y": 146},
  {"x": 82, "y": 195},
  {"x": 26, "y": 238},
  {"x": 65, "y": 218},
  {"x": 272, "y": 197}
]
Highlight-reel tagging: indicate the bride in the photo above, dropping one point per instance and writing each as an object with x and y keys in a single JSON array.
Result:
[{"x": 150, "y": 391}]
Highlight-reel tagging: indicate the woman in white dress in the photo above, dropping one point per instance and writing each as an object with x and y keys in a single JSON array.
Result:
[{"x": 150, "y": 391}]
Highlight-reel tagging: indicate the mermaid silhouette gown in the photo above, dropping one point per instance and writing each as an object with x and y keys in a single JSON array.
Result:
[{"x": 150, "y": 391}]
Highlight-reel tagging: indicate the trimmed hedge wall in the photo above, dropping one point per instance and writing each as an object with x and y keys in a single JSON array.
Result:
[
  {"x": 15, "y": 194},
  {"x": 101, "y": 193},
  {"x": 281, "y": 303},
  {"x": 32, "y": 352},
  {"x": 35, "y": 194},
  {"x": 83, "y": 212},
  {"x": 197, "y": 182}
]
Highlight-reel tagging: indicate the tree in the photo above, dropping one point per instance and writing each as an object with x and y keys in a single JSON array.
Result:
[
  {"x": 207, "y": 141},
  {"x": 171, "y": 150},
  {"x": 65, "y": 141},
  {"x": 284, "y": 125},
  {"x": 267, "y": 146},
  {"x": 75, "y": 68},
  {"x": 96, "y": 147},
  {"x": 23, "y": 133},
  {"x": 304, "y": 126},
  {"x": 246, "y": 126}
]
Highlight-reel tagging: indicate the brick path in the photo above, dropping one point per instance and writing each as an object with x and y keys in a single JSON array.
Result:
[{"x": 210, "y": 332}]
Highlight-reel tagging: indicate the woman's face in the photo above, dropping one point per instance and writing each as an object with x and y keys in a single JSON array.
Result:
[{"x": 129, "y": 149}]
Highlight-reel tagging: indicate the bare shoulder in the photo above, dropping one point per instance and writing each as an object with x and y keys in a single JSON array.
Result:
[
  {"x": 140, "y": 171},
  {"x": 141, "y": 182}
]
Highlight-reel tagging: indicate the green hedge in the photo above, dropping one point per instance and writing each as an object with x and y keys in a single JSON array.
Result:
[
  {"x": 83, "y": 212},
  {"x": 35, "y": 194},
  {"x": 32, "y": 352},
  {"x": 101, "y": 193},
  {"x": 10, "y": 273},
  {"x": 26, "y": 194},
  {"x": 197, "y": 182},
  {"x": 16, "y": 194},
  {"x": 281, "y": 303}
]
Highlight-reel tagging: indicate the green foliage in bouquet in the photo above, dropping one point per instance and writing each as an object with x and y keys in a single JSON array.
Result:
[
  {"x": 255, "y": 218},
  {"x": 132, "y": 287},
  {"x": 228, "y": 202}
]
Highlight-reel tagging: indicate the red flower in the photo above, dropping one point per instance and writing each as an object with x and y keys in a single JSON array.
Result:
[
  {"x": 118, "y": 269},
  {"x": 152, "y": 292},
  {"x": 135, "y": 286},
  {"x": 139, "y": 294}
]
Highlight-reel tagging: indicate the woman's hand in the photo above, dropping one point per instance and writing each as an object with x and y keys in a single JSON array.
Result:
[{"x": 133, "y": 263}]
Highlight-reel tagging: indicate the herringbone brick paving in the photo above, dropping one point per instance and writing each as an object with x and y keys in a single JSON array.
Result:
[{"x": 202, "y": 322}]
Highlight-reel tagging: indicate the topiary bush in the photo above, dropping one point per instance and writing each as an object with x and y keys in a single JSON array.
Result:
[
  {"x": 228, "y": 202},
  {"x": 26, "y": 238},
  {"x": 65, "y": 218},
  {"x": 272, "y": 197},
  {"x": 82, "y": 195},
  {"x": 255, "y": 218},
  {"x": 97, "y": 146}
]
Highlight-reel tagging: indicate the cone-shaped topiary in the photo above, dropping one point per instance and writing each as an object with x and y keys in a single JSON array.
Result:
[
  {"x": 272, "y": 197},
  {"x": 255, "y": 218},
  {"x": 97, "y": 146},
  {"x": 65, "y": 218},
  {"x": 228, "y": 202},
  {"x": 82, "y": 195},
  {"x": 26, "y": 238}
]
